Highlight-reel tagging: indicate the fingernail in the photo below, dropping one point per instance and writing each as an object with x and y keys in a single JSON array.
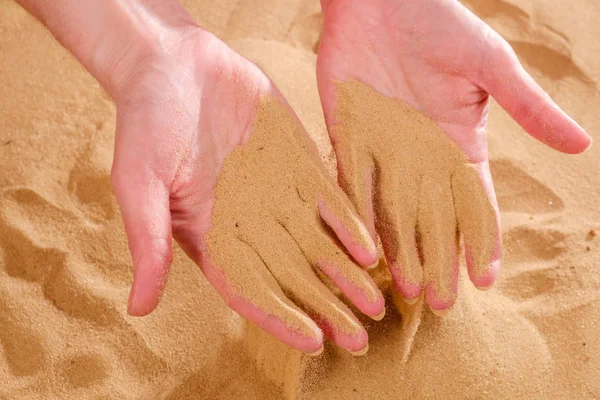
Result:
[
  {"x": 361, "y": 352},
  {"x": 441, "y": 312},
  {"x": 410, "y": 292},
  {"x": 379, "y": 317},
  {"x": 131, "y": 297},
  {"x": 410, "y": 302},
  {"x": 590, "y": 143},
  {"x": 317, "y": 353},
  {"x": 372, "y": 246},
  {"x": 438, "y": 307},
  {"x": 486, "y": 280}
]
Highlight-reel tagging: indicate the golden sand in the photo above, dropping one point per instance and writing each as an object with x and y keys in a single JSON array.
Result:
[
  {"x": 267, "y": 236},
  {"x": 424, "y": 190},
  {"x": 64, "y": 265}
]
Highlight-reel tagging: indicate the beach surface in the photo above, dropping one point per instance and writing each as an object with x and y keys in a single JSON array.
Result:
[{"x": 65, "y": 268}]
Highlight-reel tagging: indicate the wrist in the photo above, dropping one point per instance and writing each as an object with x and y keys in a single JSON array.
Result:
[
  {"x": 119, "y": 62},
  {"x": 111, "y": 38},
  {"x": 134, "y": 37}
]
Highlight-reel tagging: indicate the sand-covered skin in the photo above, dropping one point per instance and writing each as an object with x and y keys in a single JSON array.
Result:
[
  {"x": 267, "y": 237},
  {"x": 422, "y": 187},
  {"x": 64, "y": 266}
]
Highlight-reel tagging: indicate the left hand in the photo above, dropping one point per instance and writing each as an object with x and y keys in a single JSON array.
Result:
[
  {"x": 186, "y": 166},
  {"x": 443, "y": 61}
]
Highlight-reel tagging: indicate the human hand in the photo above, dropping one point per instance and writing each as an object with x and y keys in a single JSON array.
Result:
[
  {"x": 408, "y": 181},
  {"x": 208, "y": 150}
]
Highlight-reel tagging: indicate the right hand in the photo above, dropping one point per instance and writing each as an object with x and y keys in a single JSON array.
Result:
[
  {"x": 180, "y": 118},
  {"x": 438, "y": 63}
]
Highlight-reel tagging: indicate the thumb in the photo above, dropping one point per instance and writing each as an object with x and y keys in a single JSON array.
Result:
[
  {"x": 518, "y": 93},
  {"x": 144, "y": 203}
]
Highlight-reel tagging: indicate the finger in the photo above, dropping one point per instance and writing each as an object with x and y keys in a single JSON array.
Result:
[
  {"x": 518, "y": 93},
  {"x": 355, "y": 169},
  {"x": 334, "y": 318},
  {"x": 356, "y": 179},
  {"x": 296, "y": 277},
  {"x": 355, "y": 166},
  {"x": 322, "y": 252},
  {"x": 478, "y": 221},
  {"x": 357, "y": 286},
  {"x": 144, "y": 203},
  {"x": 244, "y": 281},
  {"x": 349, "y": 229},
  {"x": 437, "y": 229},
  {"x": 396, "y": 224}
]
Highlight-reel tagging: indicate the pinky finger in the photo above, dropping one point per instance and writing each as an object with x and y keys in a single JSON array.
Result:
[{"x": 251, "y": 291}]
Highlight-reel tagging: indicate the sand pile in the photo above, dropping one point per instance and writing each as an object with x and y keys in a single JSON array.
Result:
[{"x": 64, "y": 266}]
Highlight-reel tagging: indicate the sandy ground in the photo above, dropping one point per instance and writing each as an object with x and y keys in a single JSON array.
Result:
[{"x": 64, "y": 265}]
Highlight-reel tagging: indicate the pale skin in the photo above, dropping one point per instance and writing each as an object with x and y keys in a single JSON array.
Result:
[
  {"x": 185, "y": 101},
  {"x": 442, "y": 60}
]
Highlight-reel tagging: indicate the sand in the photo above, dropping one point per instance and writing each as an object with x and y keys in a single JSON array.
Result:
[
  {"x": 421, "y": 206},
  {"x": 268, "y": 240},
  {"x": 64, "y": 266}
]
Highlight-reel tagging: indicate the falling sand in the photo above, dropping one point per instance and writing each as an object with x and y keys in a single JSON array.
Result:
[{"x": 65, "y": 269}]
